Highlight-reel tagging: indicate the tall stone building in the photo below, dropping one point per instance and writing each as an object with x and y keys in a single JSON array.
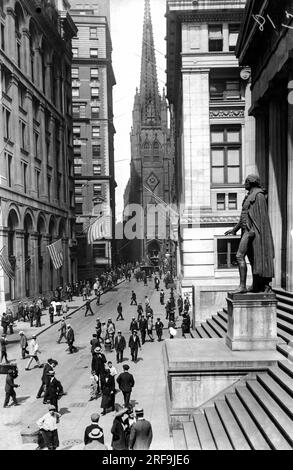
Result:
[
  {"x": 208, "y": 93},
  {"x": 93, "y": 131},
  {"x": 36, "y": 155},
  {"x": 151, "y": 153}
]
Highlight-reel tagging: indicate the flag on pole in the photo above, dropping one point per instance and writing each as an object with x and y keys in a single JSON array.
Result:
[
  {"x": 56, "y": 253},
  {"x": 5, "y": 263}
]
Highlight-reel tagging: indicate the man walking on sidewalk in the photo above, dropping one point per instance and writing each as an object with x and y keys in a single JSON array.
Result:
[
  {"x": 126, "y": 383},
  {"x": 34, "y": 351},
  {"x": 143, "y": 325},
  {"x": 70, "y": 339},
  {"x": 88, "y": 308},
  {"x": 133, "y": 325},
  {"x": 62, "y": 330},
  {"x": 23, "y": 344},
  {"x": 134, "y": 344},
  {"x": 3, "y": 342},
  {"x": 159, "y": 329},
  {"x": 9, "y": 388},
  {"x": 119, "y": 310},
  {"x": 49, "y": 366},
  {"x": 120, "y": 345},
  {"x": 133, "y": 298}
]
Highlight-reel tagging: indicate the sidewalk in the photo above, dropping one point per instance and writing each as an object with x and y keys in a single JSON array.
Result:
[{"x": 74, "y": 306}]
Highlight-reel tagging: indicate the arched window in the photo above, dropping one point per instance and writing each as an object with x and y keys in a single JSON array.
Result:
[{"x": 156, "y": 149}]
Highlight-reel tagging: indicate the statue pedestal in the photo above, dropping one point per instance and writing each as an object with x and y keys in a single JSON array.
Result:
[{"x": 252, "y": 322}]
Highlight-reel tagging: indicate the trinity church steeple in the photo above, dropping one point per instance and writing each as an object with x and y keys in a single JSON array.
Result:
[{"x": 149, "y": 94}]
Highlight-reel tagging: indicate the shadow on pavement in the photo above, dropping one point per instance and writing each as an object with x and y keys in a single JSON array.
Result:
[{"x": 64, "y": 411}]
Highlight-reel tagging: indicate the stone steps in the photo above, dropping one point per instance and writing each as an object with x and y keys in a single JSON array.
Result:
[
  {"x": 220, "y": 437},
  {"x": 284, "y": 349},
  {"x": 287, "y": 367},
  {"x": 231, "y": 426},
  {"x": 277, "y": 392},
  {"x": 284, "y": 325},
  {"x": 201, "y": 332},
  {"x": 267, "y": 428},
  {"x": 285, "y": 310},
  {"x": 204, "y": 433},
  {"x": 215, "y": 326},
  {"x": 222, "y": 323},
  {"x": 283, "y": 379},
  {"x": 209, "y": 331},
  {"x": 179, "y": 440},
  {"x": 191, "y": 437},
  {"x": 223, "y": 314}
]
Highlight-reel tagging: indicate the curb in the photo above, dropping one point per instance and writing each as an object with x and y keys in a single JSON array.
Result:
[{"x": 76, "y": 310}]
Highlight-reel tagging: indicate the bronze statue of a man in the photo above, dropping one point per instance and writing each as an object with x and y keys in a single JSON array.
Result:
[{"x": 256, "y": 239}]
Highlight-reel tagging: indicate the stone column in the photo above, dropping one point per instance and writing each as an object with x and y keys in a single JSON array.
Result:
[
  {"x": 261, "y": 145},
  {"x": 42, "y": 156},
  {"x": 249, "y": 129},
  {"x": 26, "y": 52},
  {"x": 276, "y": 156},
  {"x": 65, "y": 267},
  {"x": 196, "y": 138},
  {"x": 14, "y": 129},
  {"x": 289, "y": 254},
  {"x": 46, "y": 263},
  {"x": 34, "y": 263},
  {"x": 20, "y": 265},
  {"x": 4, "y": 281}
]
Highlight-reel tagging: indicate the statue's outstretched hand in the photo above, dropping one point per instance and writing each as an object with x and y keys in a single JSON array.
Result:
[{"x": 230, "y": 233}]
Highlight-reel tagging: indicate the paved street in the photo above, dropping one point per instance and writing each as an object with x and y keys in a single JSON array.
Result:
[{"x": 74, "y": 373}]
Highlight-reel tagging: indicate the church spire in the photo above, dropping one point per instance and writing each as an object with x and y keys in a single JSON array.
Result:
[{"x": 150, "y": 99}]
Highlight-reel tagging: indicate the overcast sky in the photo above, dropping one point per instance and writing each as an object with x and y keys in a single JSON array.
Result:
[{"x": 126, "y": 32}]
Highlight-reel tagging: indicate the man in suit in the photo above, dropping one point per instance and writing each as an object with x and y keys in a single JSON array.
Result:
[
  {"x": 120, "y": 345},
  {"x": 98, "y": 365},
  {"x": 9, "y": 388},
  {"x": 70, "y": 339},
  {"x": 95, "y": 419},
  {"x": 119, "y": 311},
  {"x": 134, "y": 344},
  {"x": 141, "y": 433},
  {"x": 159, "y": 329},
  {"x": 3, "y": 342},
  {"x": 49, "y": 366},
  {"x": 126, "y": 383},
  {"x": 133, "y": 325},
  {"x": 23, "y": 344},
  {"x": 54, "y": 390},
  {"x": 143, "y": 325}
]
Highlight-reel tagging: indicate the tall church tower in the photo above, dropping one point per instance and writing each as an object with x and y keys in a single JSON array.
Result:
[{"x": 151, "y": 151}]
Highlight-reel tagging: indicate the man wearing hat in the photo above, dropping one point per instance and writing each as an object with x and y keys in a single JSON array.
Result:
[
  {"x": 95, "y": 417},
  {"x": 3, "y": 342},
  {"x": 62, "y": 330},
  {"x": 49, "y": 366},
  {"x": 141, "y": 433},
  {"x": 98, "y": 365},
  {"x": 143, "y": 325},
  {"x": 120, "y": 345},
  {"x": 133, "y": 325},
  {"x": 48, "y": 429},
  {"x": 34, "y": 351},
  {"x": 95, "y": 343},
  {"x": 119, "y": 311},
  {"x": 23, "y": 344},
  {"x": 95, "y": 443},
  {"x": 54, "y": 390},
  {"x": 9, "y": 388},
  {"x": 126, "y": 383},
  {"x": 134, "y": 344},
  {"x": 70, "y": 339}
]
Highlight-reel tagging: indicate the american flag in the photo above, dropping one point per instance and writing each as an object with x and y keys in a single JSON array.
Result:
[
  {"x": 56, "y": 253},
  {"x": 99, "y": 229},
  {"x": 5, "y": 263}
]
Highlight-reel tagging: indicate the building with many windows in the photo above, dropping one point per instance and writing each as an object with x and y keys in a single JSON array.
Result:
[
  {"x": 209, "y": 95},
  {"x": 93, "y": 131},
  {"x": 152, "y": 159},
  {"x": 36, "y": 156}
]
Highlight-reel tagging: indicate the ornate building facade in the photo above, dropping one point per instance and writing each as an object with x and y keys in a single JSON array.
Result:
[
  {"x": 152, "y": 155},
  {"x": 208, "y": 94},
  {"x": 93, "y": 132},
  {"x": 36, "y": 182}
]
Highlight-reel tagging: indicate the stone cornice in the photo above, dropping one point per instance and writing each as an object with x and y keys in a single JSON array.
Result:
[{"x": 208, "y": 219}]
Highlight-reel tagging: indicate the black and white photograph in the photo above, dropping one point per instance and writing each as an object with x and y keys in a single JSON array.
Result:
[{"x": 146, "y": 227}]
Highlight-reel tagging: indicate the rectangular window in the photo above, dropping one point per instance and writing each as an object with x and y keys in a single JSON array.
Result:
[
  {"x": 99, "y": 251},
  {"x": 36, "y": 145},
  {"x": 2, "y": 44},
  {"x": 97, "y": 169},
  {"x": 38, "y": 183},
  {"x": 221, "y": 205},
  {"x": 22, "y": 126},
  {"x": 93, "y": 33},
  {"x": 94, "y": 53},
  {"x": 233, "y": 36},
  {"x": 226, "y": 252},
  {"x": 75, "y": 52},
  {"x": 95, "y": 112},
  {"x": 75, "y": 73},
  {"x": 77, "y": 151},
  {"x": 21, "y": 96},
  {"x": 97, "y": 189},
  {"x": 36, "y": 107},
  {"x": 24, "y": 176},
  {"x": 226, "y": 154},
  {"x": 96, "y": 151},
  {"x": 94, "y": 74},
  {"x": 77, "y": 168},
  {"x": 76, "y": 132},
  {"x": 76, "y": 111},
  {"x": 9, "y": 169},
  {"x": 224, "y": 89},
  {"x": 232, "y": 201},
  {"x": 216, "y": 38},
  {"x": 95, "y": 92},
  {"x": 75, "y": 92},
  {"x": 49, "y": 188},
  {"x": 6, "y": 122},
  {"x": 95, "y": 132},
  {"x": 78, "y": 198}
]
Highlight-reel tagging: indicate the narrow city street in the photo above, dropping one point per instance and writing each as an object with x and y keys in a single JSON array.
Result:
[{"x": 74, "y": 373}]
